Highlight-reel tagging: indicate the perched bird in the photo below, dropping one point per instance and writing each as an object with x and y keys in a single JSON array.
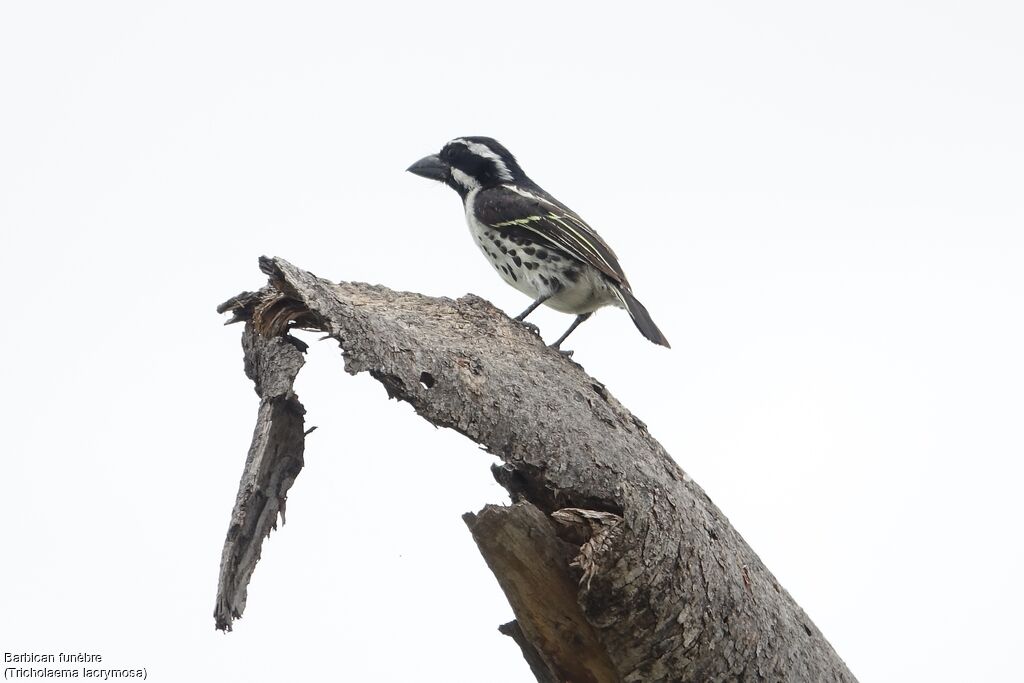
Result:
[{"x": 536, "y": 243}]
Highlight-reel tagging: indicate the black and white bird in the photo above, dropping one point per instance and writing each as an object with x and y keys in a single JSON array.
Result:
[{"x": 537, "y": 244}]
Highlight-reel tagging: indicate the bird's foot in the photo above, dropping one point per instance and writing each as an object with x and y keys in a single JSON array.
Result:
[
  {"x": 530, "y": 326},
  {"x": 565, "y": 352}
]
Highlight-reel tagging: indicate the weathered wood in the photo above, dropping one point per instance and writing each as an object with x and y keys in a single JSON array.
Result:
[
  {"x": 664, "y": 585},
  {"x": 532, "y": 567},
  {"x": 538, "y": 666},
  {"x": 274, "y": 460}
]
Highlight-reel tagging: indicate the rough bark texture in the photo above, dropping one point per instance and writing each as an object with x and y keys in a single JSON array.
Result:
[
  {"x": 531, "y": 564},
  {"x": 617, "y": 565},
  {"x": 274, "y": 460}
]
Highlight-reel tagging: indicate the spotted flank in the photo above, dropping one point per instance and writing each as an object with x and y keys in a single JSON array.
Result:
[{"x": 551, "y": 223}]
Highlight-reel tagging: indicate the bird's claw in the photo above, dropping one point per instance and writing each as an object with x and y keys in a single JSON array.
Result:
[{"x": 531, "y": 327}]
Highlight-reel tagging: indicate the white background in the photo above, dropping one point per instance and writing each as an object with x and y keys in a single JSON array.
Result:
[{"x": 821, "y": 206}]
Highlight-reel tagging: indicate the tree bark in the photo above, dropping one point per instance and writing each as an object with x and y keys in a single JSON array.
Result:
[{"x": 617, "y": 565}]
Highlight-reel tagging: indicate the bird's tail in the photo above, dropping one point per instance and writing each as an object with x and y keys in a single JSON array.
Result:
[{"x": 642, "y": 319}]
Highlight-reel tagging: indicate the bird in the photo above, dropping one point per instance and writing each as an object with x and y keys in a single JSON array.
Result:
[{"x": 535, "y": 243}]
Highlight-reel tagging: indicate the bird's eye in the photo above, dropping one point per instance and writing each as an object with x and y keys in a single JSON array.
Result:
[{"x": 458, "y": 152}]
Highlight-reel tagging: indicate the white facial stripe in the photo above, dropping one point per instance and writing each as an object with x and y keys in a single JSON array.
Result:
[
  {"x": 464, "y": 179},
  {"x": 482, "y": 150},
  {"x": 528, "y": 195}
]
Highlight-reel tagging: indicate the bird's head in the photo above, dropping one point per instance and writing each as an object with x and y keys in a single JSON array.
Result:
[{"x": 469, "y": 163}]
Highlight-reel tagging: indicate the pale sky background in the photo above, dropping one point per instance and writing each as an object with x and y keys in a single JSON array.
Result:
[{"x": 821, "y": 205}]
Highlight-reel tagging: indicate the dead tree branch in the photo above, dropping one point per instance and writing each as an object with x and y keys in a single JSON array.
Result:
[{"x": 617, "y": 565}]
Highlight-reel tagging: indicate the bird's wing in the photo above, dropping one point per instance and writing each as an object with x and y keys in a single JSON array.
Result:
[{"x": 509, "y": 207}]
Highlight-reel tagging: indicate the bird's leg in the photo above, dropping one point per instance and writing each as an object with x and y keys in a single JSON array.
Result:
[
  {"x": 521, "y": 318},
  {"x": 575, "y": 323},
  {"x": 531, "y": 308}
]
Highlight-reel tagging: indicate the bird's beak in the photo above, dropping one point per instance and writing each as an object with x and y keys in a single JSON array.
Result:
[{"x": 431, "y": 167}]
